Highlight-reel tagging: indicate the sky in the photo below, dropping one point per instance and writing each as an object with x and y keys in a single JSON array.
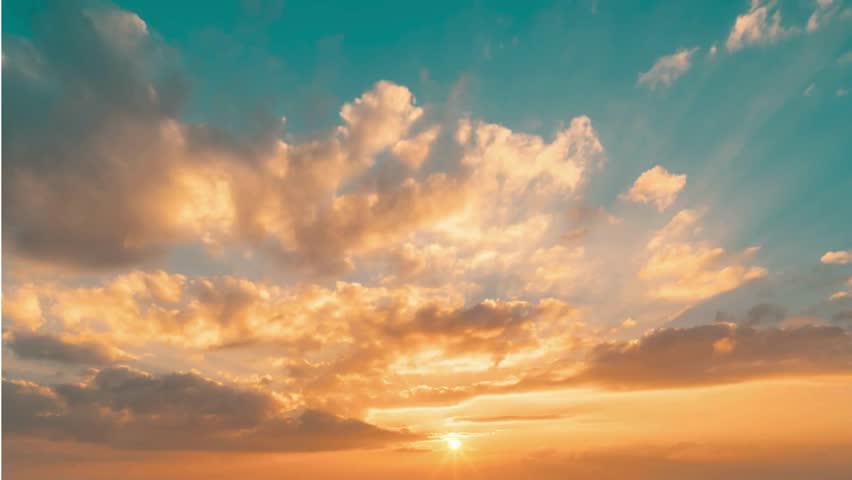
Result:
[{"x": 289, "y": 239}]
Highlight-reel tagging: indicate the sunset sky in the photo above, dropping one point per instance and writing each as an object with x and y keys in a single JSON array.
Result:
[{"x": 413, "y": 240}]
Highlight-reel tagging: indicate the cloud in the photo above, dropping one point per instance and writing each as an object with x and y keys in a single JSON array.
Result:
[
  {"x": 656, "y": 186},
  {"x": 63, "y": 349},
  {"x": 126, "y": 180},
  {"x": 810, "y": 90},
  {"x": 680, "y": 268},
  {"x": 337, "y": 348},
  {"x": 719, "y": 353},
  {"x": 841, "y": 92},
  {"x": 843, "y": 294},
  {"x": 22, "y": 308},
  {"x": 824, "y": 12},
  {"x": 126, "y": 408},
  {"x": 839, "y": 257},
  {"x": 761, "y": 25},
  {"x": 508, "y": 418},
  {"x": 667, "y": 69}
]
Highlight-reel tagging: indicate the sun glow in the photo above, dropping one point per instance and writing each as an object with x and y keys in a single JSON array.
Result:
[{"x": 453, "y": 443}]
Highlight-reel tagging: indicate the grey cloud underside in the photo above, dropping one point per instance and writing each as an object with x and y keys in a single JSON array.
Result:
[
  {"x": 93, "y": 155},
  {"x": 84, "y": 142},
  {"x": 52, "y": 348},
  {"x": 704, "y": 355},
  {"x": 126, "y": 408},
  {"x": 718, "y": 354}
]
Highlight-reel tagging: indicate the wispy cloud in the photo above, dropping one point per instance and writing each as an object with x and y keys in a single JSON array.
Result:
[{"x": 667, "y": 69}]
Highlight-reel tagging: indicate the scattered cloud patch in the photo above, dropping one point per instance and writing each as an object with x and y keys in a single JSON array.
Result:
[
  {"x": 761, "y": 25},
  {"x": 839, "y": 257},
  {"x": 655, "y": 186},
  {"x": 667, "y": 69}
]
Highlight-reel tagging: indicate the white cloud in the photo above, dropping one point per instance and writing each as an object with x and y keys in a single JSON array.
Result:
[
  {"x": 761, "y": 25},
  {"x": 841, "y": 92},
  {"x": 839, "y": 257},
  {"x": 713, "y": 50},
  {"x": 656, "y": 186},
  {"x": 667, "y": 69},
  {"x": 810, "y": 90}
]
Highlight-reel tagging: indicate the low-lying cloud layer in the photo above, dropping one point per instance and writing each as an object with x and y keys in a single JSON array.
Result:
[{"x": 127, "y": 408}]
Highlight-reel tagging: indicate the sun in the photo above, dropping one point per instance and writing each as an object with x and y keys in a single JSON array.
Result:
[{"x": 453, "y": 443}]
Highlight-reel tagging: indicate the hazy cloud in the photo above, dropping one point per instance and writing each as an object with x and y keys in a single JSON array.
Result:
[{"x": 667, "y": 69}]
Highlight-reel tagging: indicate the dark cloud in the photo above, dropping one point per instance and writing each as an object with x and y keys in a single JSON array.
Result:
[
  {"x": 53, "y": 348},
  {"x": 718, "y": 353},
  {"x": 85, "y": 152},
  {"x": 125, "y": 408},
  {"x": 102, "y": 172}
]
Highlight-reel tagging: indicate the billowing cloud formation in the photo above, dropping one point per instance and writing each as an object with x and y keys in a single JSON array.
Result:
[
  {"x": 760, "y": 25},
  {"x": 468, "y": 260},
  {"x": 656, "y": 186},
  {"x": 126, "y": 408},
  {"x": 719, "y": 353},
  {"x": 125, "y": 179},
  {"x": 667, "y": 69},
  {"x": 334, "y": 347},
  {"x": 42, "y": 346},
  {"x": 840, "y": 257}
]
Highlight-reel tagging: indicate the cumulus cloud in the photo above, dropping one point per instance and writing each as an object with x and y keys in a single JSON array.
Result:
[
  {"x": 761, "y": 25},
  {"x": 655, "y": 186},
  {"x": 839, "y": 257},
  {"x": 126, "y": 408},
  {"x": 126, "y": 180},
  {"x": 667, "y": 69},
  {"x": 339, "y": 343}
]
